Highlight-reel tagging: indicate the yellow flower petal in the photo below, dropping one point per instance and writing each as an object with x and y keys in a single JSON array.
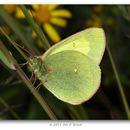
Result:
[
  {"x": 35, "y": 6},
  {"x": 52, "y": 6},
  {"x": 51, "y": 32},
  {"x": 58, "y": 21},
  {"x": 61, "y": 13},
  {"x": 19, "y": 13}
]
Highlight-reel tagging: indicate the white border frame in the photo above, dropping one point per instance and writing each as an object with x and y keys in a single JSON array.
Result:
[
  {"x": 64, "y": 125},
  {"x": 65, "y": 1}
]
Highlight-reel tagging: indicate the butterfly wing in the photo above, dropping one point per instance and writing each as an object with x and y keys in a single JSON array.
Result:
[
  {"x": 90, "y": 42},
  {"x": 74, "y": 77}
]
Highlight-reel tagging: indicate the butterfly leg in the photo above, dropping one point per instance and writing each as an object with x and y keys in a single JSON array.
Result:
[
  {"x": 31, "y": 77},
  {"x": 34, "y": 80},
  {"x": 23, "y": 64},
  {"x": 38, "y": 86}
]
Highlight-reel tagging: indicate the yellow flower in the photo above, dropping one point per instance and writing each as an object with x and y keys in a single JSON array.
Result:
[
  {"x": 49, "y": 15},
  {"x": 46, "y": 16},
  {"x": 14, "y": 9}
]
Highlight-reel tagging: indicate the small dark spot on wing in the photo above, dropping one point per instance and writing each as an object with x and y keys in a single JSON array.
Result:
[{"x": 49, "y": 69}]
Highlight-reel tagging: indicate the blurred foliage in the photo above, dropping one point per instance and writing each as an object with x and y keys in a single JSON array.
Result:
[{"x": 106, "y": 103}]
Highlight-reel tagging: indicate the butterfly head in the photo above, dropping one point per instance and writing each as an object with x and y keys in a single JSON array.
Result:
[{"x": 34, "y": 62}]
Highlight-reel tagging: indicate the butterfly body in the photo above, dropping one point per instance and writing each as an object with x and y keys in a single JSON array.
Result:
[{"x": 38, "y": 67}]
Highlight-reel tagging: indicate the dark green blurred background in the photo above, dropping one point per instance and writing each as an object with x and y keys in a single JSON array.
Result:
[{"x": 106, "y": 103}]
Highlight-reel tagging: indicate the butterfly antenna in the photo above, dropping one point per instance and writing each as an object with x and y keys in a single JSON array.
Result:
[
  {"x": 23, "y": 64},
  {"x": 23, "y": 48}
]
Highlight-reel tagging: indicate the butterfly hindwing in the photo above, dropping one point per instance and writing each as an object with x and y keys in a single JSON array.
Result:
[{"x": 73, "y": 78}]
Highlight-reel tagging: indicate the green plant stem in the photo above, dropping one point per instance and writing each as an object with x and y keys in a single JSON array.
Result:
[
  {"x": 9, "y": 108},
  {"x": 77, "y": 112},
  {"x": 126, "y": 106},
  {"x": 74, "y": 113},
  {"x": 28, "y": 83},
  {"x": 83, "y": 112},
  {"x": 36, "y": 28}
]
